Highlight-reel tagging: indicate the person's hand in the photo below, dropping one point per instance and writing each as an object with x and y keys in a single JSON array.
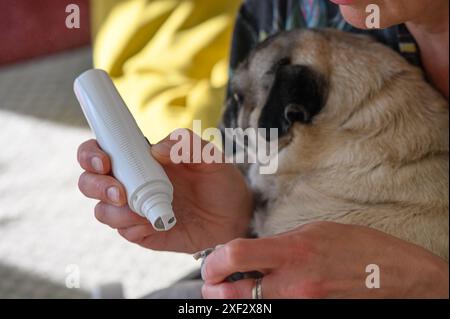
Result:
[
  {"x": 212, "y": 202},
  {"x": 326, "y": 260}
]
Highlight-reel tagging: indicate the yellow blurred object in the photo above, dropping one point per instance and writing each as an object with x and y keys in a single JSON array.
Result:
[{"x": 168, "y": 58}]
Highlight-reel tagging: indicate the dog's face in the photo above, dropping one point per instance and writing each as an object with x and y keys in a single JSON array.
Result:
[
  {"x": 273, "y": 89},
  {"x": 316, "y": 88}
]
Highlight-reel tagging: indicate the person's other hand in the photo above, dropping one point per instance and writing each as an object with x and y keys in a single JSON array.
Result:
[
  {"x": 212, "y": 202},
  {"x": 326, "y": 260}
]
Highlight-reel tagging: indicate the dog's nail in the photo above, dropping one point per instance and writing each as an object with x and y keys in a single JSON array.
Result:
[
  {"x": 197, "y": 255},
  {"x": 202, "y": 254}
]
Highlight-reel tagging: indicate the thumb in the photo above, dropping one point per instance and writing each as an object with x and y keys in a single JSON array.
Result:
[{"x": 161, "y": 150}]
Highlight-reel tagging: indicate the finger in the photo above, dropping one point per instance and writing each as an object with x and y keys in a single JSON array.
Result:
[
  {"x": 92, "y": 158},
  {"x": 136, "y": 234},
  {"x": 102, "y": 187},
  {"x": 242, "y": 255},
  {"x": 161, "y": 150},
  {"x": 187, "y": 141},
  {"x": 118, "y": 217},
  {"x": 241, "y": 289}
]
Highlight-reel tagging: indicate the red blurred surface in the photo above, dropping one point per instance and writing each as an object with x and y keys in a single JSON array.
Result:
[{"x": 30, "y": 28}]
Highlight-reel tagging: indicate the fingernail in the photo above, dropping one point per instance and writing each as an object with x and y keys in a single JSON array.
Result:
[
  {"x": 202, "y": 271},
  {"x": 113, "y": 194},
  {"x": 97, "y": 164}
]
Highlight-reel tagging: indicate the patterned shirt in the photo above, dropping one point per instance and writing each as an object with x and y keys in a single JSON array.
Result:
[{"x": 258, "y": 19}]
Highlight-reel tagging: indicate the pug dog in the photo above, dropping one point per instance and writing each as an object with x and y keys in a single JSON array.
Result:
[{"x": 363, "y": 138}]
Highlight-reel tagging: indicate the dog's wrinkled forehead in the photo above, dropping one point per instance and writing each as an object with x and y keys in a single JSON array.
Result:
[
  {"x": 295, "y": 47},
  {"x": 266, "y": 57},
  {"x": 256, "y": 69}
]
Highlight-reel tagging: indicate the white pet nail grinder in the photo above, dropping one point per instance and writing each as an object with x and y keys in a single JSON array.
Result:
[{"x": 149, "y": 190}]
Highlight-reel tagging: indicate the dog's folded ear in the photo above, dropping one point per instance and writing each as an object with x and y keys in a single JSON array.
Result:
[{"x": 298, "y": 93}]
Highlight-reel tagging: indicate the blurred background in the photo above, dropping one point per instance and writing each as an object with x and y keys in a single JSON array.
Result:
[{"x": 169, "y": 61}]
